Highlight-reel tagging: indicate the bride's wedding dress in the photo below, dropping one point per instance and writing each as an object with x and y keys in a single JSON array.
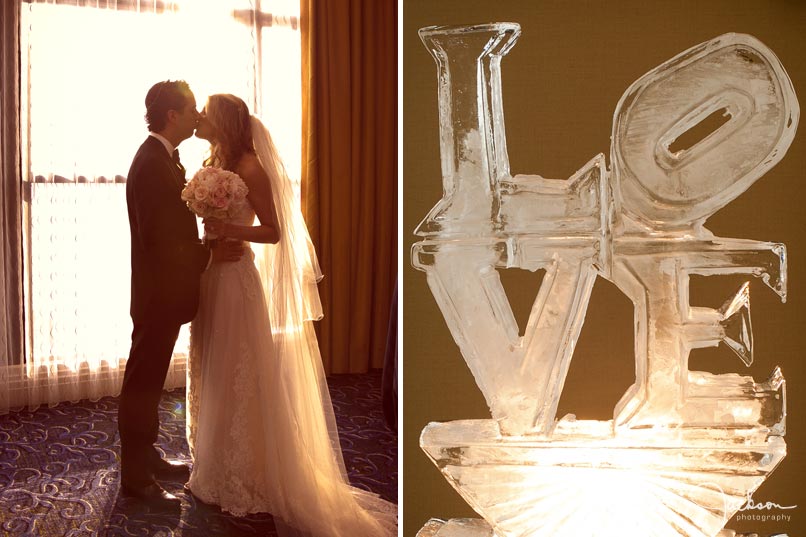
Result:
[{"x": 261, "y": 429}]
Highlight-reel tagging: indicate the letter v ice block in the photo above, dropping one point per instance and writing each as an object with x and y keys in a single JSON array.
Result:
[{"x": 684, "y": 448}]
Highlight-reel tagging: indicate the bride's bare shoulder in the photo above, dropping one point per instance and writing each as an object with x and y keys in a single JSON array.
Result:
[{"x": 250, "y": 169}]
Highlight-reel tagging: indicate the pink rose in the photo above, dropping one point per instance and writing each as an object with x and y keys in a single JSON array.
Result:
[
  {"x": 201, "y": 192},
  {"x": 197, "y": 207},
  {"x": 187, "y": 192},
  {"x": 205, "y": 177}
]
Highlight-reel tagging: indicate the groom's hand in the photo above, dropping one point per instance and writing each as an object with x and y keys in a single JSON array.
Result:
[{"x": 227, "y": 251}]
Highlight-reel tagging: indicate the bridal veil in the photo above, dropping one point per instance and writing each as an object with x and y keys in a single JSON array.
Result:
[{"x": 321, "y": 501}]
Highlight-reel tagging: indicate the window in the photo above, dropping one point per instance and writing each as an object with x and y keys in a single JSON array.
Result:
[{"x": 86, "y": 67}]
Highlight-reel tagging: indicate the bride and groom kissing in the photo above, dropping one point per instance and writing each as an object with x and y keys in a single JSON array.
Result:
[{"x": 260, "y": 423}]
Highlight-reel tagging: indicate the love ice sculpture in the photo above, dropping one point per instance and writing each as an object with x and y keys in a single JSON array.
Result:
[{"x": 684, "y": 448}]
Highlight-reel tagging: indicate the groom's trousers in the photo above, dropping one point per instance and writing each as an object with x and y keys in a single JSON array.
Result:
[{"x": 138, "y": 421}]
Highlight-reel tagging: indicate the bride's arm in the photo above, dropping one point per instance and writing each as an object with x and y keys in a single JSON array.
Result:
[{"x": 260, "y": 197}]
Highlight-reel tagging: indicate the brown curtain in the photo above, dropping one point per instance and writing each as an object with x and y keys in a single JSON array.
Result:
[
  {"x": 11, "y": 328},
  {"x": 349, "y": 171}
]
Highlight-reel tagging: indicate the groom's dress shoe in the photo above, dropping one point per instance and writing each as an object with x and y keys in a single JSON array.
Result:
[
  {"x": 153, "y": 495},
  {"x": 170, "y": 469}
]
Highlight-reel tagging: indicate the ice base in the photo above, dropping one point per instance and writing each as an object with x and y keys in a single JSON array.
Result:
[
  {"x": 456, "y": 527},
  {"x": 587, "y": 480},
  {"x": 475, "y": 527}
]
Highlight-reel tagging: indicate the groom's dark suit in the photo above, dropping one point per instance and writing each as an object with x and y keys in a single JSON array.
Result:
[{"x": 167, "y": 261}]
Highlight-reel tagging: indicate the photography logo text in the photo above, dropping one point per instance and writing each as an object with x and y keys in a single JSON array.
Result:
[{"x": 764, "y": 511}]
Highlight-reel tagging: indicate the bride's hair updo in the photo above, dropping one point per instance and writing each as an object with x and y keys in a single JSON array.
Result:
[{"x": 229, "y": 116}]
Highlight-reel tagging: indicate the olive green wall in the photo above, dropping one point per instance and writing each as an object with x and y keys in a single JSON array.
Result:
[{"x": 561, "y": 84}]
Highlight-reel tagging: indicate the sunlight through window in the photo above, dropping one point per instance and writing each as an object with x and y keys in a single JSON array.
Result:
[{"x": 85, "y": 74}]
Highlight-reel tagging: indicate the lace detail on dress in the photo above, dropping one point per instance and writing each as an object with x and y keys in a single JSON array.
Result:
[
  {"x": 193, "y": 381},
  {"x": 241, "y": 463},
  {"x": 225, "y": 430},
  {"x": 234, "y": 483},
  {"x": 251, "y": 286}
]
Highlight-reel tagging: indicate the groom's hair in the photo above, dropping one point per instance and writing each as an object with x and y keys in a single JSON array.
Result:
[{"x": 164, "y": 96}]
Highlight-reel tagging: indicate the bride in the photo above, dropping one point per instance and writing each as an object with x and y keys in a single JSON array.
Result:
[{"x": 261, "y": 428}]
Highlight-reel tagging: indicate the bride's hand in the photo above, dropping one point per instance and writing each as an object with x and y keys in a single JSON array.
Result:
[{"x": 216, "y": 227}]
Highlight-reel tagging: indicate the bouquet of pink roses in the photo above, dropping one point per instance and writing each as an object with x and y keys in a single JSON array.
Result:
[{"x": 215, "y": 193}]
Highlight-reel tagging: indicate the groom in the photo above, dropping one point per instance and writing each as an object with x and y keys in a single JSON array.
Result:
[{"x": 167, "y": 261}]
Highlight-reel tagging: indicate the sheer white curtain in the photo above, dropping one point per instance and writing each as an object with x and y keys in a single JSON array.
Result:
[{"x": 86, "y": 67}]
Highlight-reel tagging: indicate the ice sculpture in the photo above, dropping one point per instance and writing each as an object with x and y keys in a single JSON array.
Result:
[{"x": 684, "y": 448}]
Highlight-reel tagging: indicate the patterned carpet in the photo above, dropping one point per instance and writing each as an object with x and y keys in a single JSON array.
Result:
[{"x": 59, "y": 471}]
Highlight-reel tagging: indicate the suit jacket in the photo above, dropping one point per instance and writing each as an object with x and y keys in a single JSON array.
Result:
[{"x": 167, "y": 255}]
